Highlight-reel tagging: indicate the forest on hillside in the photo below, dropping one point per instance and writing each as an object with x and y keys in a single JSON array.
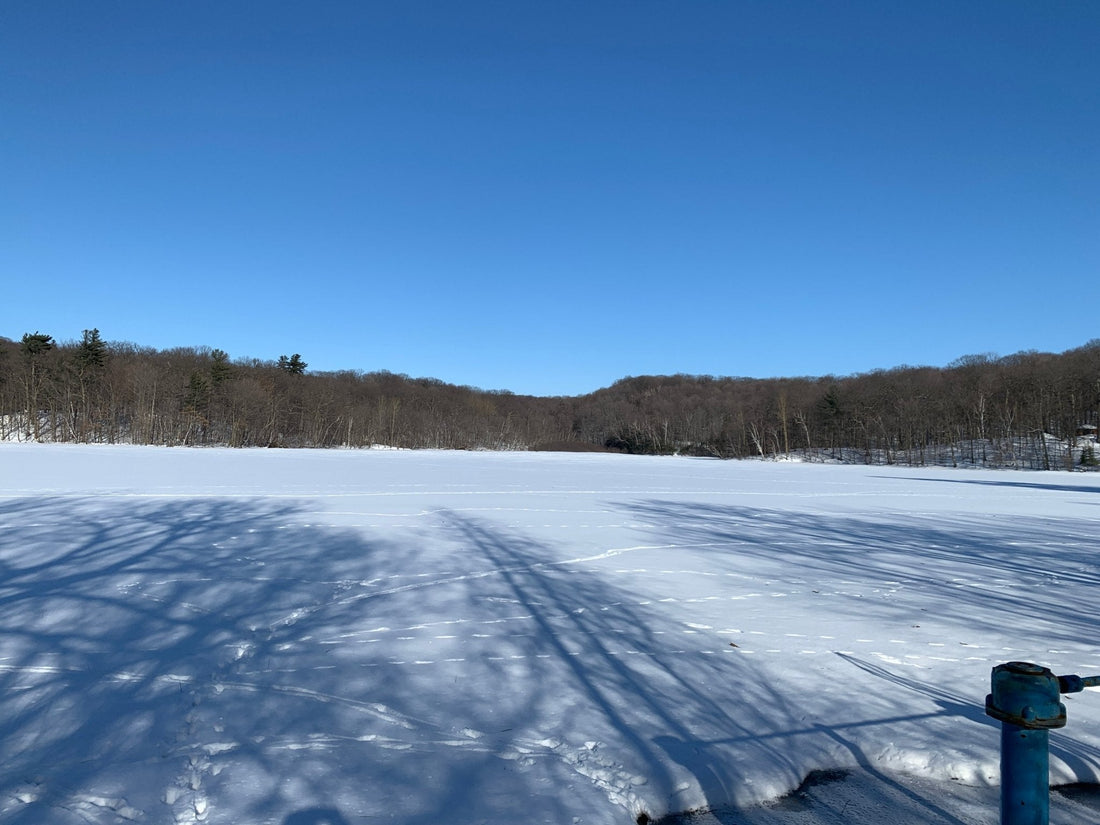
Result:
[{"x": 1029, "y": 410}]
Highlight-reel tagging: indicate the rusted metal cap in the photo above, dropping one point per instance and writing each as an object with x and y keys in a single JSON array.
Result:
[{"x": 1025, "y": 695}]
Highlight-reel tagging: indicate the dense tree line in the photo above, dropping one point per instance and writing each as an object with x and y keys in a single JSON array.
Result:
[{"x": 1031, "y": 409}]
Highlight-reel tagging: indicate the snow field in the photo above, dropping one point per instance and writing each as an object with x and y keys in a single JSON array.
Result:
[{"x": 298, "y": 637}]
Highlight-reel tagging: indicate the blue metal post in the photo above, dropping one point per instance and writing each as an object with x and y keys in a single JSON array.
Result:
[
  {"x": 1025, "y": 699},
  {"x": 1025, "y": 771}
]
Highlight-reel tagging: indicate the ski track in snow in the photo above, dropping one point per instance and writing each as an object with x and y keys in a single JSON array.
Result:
[{"x": 574, "y": 642}]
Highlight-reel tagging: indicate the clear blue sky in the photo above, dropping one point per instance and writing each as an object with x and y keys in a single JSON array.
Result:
[{"x": 548, "y": 196}]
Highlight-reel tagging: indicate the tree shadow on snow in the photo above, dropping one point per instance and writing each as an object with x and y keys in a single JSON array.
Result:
[
  {"x": 625, "y": 672},
  {"x": 213, "y": 657},
  {"x": 316, "y": 816},
  {"x": 623, "y": 666},
  {"x": 120, "y": 620},
  {"x": 233, "y": 653},
  {"x": 978, "y": 574},
  {"x": 878, "y": 790},
  {"x": 963, "y": 571},
  {"x": 232, "y": 660},
  {"x": 1026, "y": 485}
]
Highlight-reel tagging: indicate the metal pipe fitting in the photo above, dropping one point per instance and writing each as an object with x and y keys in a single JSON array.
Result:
[{"x": 1025, "y": 699}]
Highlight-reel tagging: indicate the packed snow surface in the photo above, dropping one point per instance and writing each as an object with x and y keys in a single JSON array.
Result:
[{"x": 340, "y": 637}]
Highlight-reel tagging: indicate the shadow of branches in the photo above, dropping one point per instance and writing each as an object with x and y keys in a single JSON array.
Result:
[
  {"x": 234, "y": 660},
  {"x": 970, "y": 567},
  {"x": 117, "y": 619},
  {"x": 733, "y": 728},
  {"x": 211, "y": 660}
]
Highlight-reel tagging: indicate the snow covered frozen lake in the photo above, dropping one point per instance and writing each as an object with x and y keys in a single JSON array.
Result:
[{"x": 340, "y": 637}]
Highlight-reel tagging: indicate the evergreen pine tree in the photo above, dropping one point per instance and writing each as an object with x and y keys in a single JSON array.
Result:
[
  {"x": 220, "y": 370},
  {"x": 36, "y": 343},
  {"x": 91, "y": 355},
  {"x": 294, "y": 364},
  {"x": 1088, "y": 456},
  {"x": 34, "y": 346},
  {"x": 89, "y": 363}
]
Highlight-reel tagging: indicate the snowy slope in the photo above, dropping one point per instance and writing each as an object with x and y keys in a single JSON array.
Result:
[{"x": 312, "y": 637}]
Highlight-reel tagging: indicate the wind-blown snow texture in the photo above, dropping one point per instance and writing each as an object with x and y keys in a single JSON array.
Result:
[{"x": 335, "y": 637}]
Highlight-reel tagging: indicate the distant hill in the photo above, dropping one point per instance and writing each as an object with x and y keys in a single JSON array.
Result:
[{"x": 1032, "y": 410}]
